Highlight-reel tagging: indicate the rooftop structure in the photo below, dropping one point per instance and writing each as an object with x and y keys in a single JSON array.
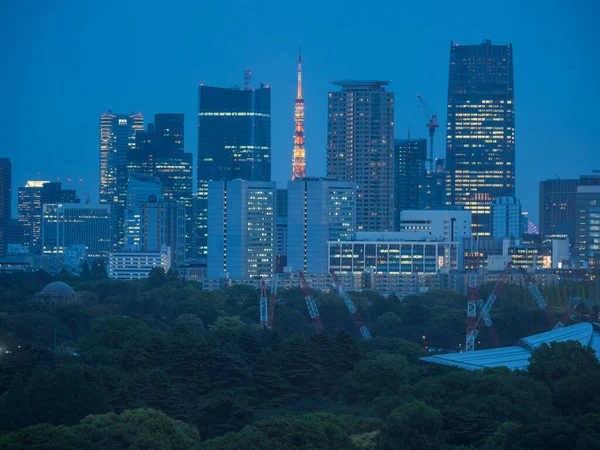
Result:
[
  {"x": 58, "y": 293},
  {"x": 517, "y": 357}
]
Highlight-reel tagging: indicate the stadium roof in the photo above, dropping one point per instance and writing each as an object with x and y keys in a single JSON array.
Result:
[{"x": 517, "y": 356}]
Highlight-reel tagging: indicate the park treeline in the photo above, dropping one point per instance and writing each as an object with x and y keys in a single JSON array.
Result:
[{"x": 160, "y": 364}]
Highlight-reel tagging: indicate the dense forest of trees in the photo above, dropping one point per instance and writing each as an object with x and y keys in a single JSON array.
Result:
[{"x": 159, "y": 364}]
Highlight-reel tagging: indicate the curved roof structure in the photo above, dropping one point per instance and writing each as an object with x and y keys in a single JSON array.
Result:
[
  {"x": 517, "y": 356},
  {"x": 57, "y": 288}
]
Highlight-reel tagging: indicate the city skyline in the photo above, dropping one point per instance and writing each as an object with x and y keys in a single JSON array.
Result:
[{"x": 547, "y": 121}]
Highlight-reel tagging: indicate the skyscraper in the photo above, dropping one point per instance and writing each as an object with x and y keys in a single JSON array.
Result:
[
  {"x": 409, "y": 181},
  {"x": 557, "y": 209},
  {"x": 480, "y": 141},
  {"x": 241, "y": 229},
  {"x": 360, "y": 148},
  {"x": 117, "y": 139},
  {"x": 159, "y": 151},
  {"x": 319, "y": 210},
  {"x": 31, "y": 199},
  {"x": 281, "y": 224},
  {"x": 5, "y": 203},
  {"x": 66, "y": 225},
  {"x": 234, "y": 141},
  {"x": 435, "y": 183},
  {"x": 299, "y": 159},
  {"x": 153, "y": 221},
  {"x": 587, "y": 221}
]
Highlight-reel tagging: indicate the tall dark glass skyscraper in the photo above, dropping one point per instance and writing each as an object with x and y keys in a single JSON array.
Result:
[
  {"x": 5, "y": 203},
  {"x": 558, "y": 215},
  {"x": 234, "y": 141},
  {"x": 409, "y": 179},
  {"x": 480, "y": 141},
  {"x": 159, "y": 151}
]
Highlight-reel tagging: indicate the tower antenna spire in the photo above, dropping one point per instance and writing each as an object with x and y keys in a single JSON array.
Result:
[{"x": 299, "y": 158}]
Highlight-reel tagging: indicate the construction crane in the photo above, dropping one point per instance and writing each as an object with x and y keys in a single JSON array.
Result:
[
  {"x": 85, "y": 193},
  {"x": 570, "y": 314},
  {"x": 485, "y": 310},
  {"x": 313, "y": 311},
  {"x": 263, "y": 305},
  {"x": 272, "y": 302},
  {"x": 539, "y": 299},
  {"x": 432, "y": 125},
  {"x": 472, "y": 298},
  {"x": 350, "y": 305},
  {"x": 474, "y": 302}
]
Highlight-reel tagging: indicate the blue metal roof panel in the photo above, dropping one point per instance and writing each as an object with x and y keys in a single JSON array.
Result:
[
  {"x": 581, "y": 332},
  {"x": 511, "y": 357}
]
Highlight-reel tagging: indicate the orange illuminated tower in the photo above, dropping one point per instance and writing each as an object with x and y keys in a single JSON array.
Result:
[{"x": 299, "y": 159}]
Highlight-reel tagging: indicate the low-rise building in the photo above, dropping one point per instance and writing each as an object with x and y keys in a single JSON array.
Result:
[{"x": 137, "y": 265}]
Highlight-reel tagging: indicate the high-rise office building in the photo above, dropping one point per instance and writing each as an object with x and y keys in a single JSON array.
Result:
[
  {"x": 281, "y": 223},
  {"x": 409, "y": 167},
  {"x": 5, "y": 203},
  {"x": 66, "y": 225},
  {"x": 480, "y": 140},
  {"x": 587, "y": 220},
  {"x": 160, "y": 152},
  {"x": 241, "y": 229},
  {"x": 31, "y": 199},
  {"x": 319, "y": 211},
  {"x": 153, "y": 221},
  {"x": 435, "y": 183},
  {"x": 557, "y": 209},
  {"x": 507, "y": 218},
  {"x": 169, "y": 129},
  {"x": 360, "y": 148},
  {"x": 117, "y": 139},
  {"x": 234, "y": 142}
]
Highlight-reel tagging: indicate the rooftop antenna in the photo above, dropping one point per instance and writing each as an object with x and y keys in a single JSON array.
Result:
[{"x": 247, "y": 80}]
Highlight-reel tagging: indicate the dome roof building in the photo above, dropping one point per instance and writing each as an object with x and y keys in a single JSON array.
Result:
[{"x": 58, "y": 293}]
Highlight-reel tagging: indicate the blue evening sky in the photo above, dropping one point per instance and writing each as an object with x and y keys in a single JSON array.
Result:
[{"x": 65, "y": 62}]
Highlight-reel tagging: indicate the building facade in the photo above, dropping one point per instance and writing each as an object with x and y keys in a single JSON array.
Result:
[
  {"x": 436, "y": 196},
  {"x": 241, "y": 229},
  {"x": 117, "y": 140},
  {"x": 234, "y": 142},
  {"x": 319, "y": 210},
  {"x": 393, "y": 257},
  {"x": 557, "y": 209},
  {"x": 153, "y": 221},
  {"x": 67, "y": 225},
  {"x": 480, "y": 140},
  {"x": 410, "y": 156},
  {"x": 446, "y": 225},
  {"x": 159, "y": 151},
  {"x": 587, "y": 221},
  {"x": 507, "y": 218},
  {"x": 5, "y": 203},
  {"x": 281, "y": 223},
  {"x": 31, "y": 199},
  {"x": 137, "y": 265},
  {"x": 360, "y": 148}
]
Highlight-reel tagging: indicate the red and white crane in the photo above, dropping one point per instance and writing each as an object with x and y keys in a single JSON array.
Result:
[
  {"x": 263, "y": 305},
  {"x": 350, "y": 305},
  {"x": 484, "y": 313},
  {"x": 313, "y": 311}
]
